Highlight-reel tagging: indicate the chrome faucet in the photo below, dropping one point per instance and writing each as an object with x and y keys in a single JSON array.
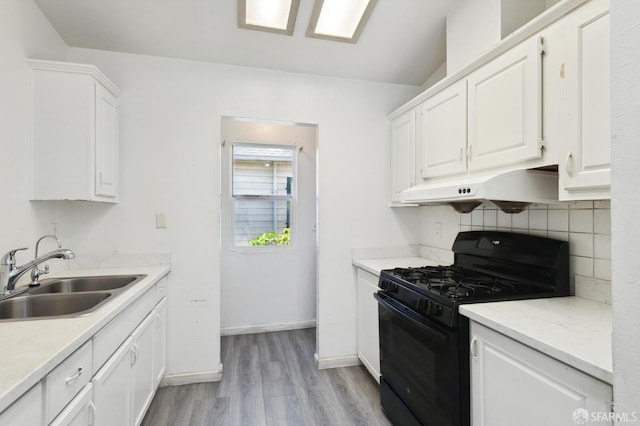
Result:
[
  {"x": 36, "y": 272},
  {"x": 10, "y": 273}
]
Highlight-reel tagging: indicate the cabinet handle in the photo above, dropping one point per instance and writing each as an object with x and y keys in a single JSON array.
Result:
[
  {"x": 134, "y": 354},
  {"x": 74, "y": 377},
  {"x": 469, "y": 152},
  {"x": 460, "y": 155},
  {"x": 92, "y": 413},
  {"x": 567, "y": 164},
  {"x": 473, "y": 348}
]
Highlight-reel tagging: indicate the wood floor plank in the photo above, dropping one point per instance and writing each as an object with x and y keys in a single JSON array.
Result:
[{"x": 271, "y": 379}]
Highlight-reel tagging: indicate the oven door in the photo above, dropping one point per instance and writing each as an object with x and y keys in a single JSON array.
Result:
[{"x": 420, "y": 368}]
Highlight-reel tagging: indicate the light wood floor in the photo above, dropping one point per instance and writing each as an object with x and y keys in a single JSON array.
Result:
[{"x": 271, "y": 379}]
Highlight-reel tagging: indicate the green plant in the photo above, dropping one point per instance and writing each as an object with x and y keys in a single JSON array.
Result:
[{"x": 272, "y": 238}]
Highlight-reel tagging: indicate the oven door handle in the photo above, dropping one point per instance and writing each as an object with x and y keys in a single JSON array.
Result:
[{"x": 408, "y": 315}]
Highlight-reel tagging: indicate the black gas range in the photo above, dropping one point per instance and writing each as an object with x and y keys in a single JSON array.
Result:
[{"x": 424, "y": 341}]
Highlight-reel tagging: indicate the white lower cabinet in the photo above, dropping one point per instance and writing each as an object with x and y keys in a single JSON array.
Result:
[
  {"x": 125, "y": 385},
  {"x": 160, "y": 342},
  {"x": 368, "y": 338},
  {"x": 26, "y": 411},
  {"x": 142, "y": 374},
  {"x": 512, "y": 383},
  {"x": 112, "y": 388},
  {"x": 81, "y": 411}
]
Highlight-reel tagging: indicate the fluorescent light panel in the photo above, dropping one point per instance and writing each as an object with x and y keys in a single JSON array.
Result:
[
  {"x": 341, "y": 20},
  {"x": 278, "y": 16}
]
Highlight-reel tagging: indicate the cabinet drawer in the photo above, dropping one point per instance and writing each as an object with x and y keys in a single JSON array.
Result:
[
  {"x": 67, "y": 379},
  {"x": 79, "y": 412},
  {"x": 107, "y": 340}
]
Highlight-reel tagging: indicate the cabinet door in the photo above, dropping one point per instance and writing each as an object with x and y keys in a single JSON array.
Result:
[
  {"x": 442, "y": 132},
  {"x": 112, "y": 388},
  {"x": 587, "y": 161},
  {"x": 142, "y": 367},
  {"x": 27, "y": 410},
  {"x": 514, "y": 384},
  {"x": 80, "y": 411},
  {"x": 505, "y": 108},
  {"x": 160, "y": 342},
  {"x": 106, "y": 155},
  {"x": 368, "y": 338},
  {"x": 402, "y": 154}
]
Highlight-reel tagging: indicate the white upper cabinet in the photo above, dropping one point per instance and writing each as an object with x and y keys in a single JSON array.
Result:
[
  {"x": 441, "y": 123},
  {"x": 402, "y": 154},
  {"x": 74, "y": 133},
  {"x": 585, "y": 171},
  {"x": 505, "y": 108}
]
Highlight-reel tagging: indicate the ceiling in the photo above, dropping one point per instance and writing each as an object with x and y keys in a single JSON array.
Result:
[{"x": 403, "y": 42}]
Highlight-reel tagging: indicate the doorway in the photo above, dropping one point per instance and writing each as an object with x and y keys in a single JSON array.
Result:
[{"x": 268, "y": 220}]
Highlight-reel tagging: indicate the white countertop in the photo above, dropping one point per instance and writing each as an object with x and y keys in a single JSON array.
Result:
[
  {"x": 376, "y": 265},
  {"x": 573, "y": 330},
  {"x": 30, "y": 349}
]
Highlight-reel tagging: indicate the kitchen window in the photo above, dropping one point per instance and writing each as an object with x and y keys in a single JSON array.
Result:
[{"x": 262, "y": 194}]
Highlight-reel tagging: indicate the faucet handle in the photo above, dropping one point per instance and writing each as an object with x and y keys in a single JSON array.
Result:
[{"x": 10, "y": 257}]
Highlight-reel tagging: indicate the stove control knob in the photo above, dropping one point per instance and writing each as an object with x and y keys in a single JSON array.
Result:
[
  {"x": 422, "y": 305},
  {"x": 388, "y": 286},
  {"x": 434, "y": 309}
]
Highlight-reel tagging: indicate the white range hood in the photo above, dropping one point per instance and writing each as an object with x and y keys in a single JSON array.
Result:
[{"x": 512, "y": 191}]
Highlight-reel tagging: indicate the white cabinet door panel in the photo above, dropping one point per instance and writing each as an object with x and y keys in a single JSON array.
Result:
[
  {"x": 368, "y": 338},
  {"x": 112, "y": 389},
  {"x": 442, "y": 132},
  {"x": 514, "y": 384},
  {"x": 402, "y": 154},
  {"x": 106, "y": 143},
  {"x": 505, "y": 108},
  {"x": 587, "y": 162}
]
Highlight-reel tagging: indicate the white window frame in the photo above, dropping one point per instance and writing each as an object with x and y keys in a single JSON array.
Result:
[{"x": 292, "y": 198}]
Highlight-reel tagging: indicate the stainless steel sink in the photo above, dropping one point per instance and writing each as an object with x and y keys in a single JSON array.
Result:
[
  {"x": 83, "y": 284},
  {"x": 51, "y": 305}
]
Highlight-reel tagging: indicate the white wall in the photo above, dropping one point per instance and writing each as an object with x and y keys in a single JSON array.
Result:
[
  {"x": 625, "y": 152},
  {"x": 170, "y": 155},
  {"x": 24, "y": 33}
]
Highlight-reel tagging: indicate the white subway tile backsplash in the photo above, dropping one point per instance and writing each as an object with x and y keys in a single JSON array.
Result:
[
  {"x": 538, "y": 220},
  {"x": 593, "y": 288},
  {"x": 477, "y": 216},
  {"x": 579, "y": 265},
  {"x": 490, "y": 218},
  {"x": 602, "y": 221},
  {"x": 585, "y": 224},
  {"x": 602, "y": 269},
  {"x": 581, "y": 205},
  {"x": 602, "y": 246},
  {"x": 562, "y": 236},
  {"x": 504, "y": 220},
  {"x": 520, "y": 220},
  {"x": 581, "y": 244},
  {"x": 558, "y": 220},
  {"x": 581, "y": 220}
]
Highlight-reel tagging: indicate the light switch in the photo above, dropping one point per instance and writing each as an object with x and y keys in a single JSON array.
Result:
[{"x": 161, "y": 221}]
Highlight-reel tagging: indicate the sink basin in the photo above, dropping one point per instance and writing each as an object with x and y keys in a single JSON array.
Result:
[
  {"x": 51, "y": 305},
  {"x": 82, "y": 284}
]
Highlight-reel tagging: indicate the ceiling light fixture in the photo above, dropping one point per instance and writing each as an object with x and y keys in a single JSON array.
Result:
[
  {"x": 275, "y": 16},
  {"x": 340, "y": 20}
]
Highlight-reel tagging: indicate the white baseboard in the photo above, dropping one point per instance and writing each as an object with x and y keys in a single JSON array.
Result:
[
  {"x": 264, "y": 328},
  {"x": 335, "y": 362},
  {"x": 191, "y": 378}
]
